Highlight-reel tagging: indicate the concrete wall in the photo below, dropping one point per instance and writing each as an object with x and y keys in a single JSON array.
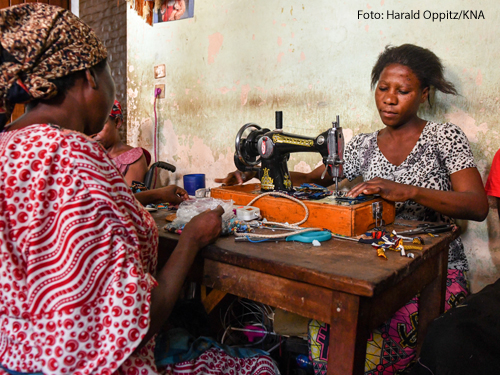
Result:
[
  {"x": 108, "y": 19},
  {"x": 239, "y": 61}
]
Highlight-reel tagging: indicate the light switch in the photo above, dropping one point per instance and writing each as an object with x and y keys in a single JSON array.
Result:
[{"x": 160, "y": 71}]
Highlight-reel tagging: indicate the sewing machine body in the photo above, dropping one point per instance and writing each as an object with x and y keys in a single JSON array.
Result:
[{"x": 272, "y": 148}]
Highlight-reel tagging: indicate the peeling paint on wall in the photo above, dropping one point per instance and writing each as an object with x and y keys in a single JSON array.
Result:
[
  {"x": 194, "y": 149},
  {"x": 245, "y": 89},
  {"x": 214, "y": 46},
  {"x": 302, "y": 167},
  {"x": 468, "y": 124}
]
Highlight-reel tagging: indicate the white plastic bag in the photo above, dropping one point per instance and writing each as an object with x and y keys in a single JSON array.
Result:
[{"x": 189, "y": 209}]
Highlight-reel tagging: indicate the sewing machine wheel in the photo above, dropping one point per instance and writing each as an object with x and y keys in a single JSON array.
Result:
[{"x": 245, "y": 151}]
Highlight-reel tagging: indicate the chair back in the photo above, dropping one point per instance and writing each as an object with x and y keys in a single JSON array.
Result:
[{"x": 148, "y": 179}]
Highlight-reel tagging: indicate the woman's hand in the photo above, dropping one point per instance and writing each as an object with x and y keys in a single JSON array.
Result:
[
  {"x": 235, "y": 178},
  {"x": 390, "y": 190},
  {"x": 172, "y": 194},
  {"x": 203, "y": 229}
]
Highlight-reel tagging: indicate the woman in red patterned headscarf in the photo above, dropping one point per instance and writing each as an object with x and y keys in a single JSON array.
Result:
[{"x": 79, "y": 289}]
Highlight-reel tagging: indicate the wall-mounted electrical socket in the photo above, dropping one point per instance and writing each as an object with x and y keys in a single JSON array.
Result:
[
  {"x": 162, "y": 93},
  {"x": 160, "y": 71}
]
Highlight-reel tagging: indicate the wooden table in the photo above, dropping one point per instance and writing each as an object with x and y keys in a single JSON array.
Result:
[{"x": 343, "y": 283}]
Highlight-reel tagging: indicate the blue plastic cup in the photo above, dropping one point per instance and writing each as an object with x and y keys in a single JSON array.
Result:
[{"x": 193, "y": 182}]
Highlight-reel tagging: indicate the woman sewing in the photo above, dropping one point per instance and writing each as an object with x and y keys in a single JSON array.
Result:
[
  {"x": 425, "y": 167},
  {"x": 80, "y": 292}
]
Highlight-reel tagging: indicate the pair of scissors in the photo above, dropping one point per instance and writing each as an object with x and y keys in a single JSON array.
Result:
[
  {"x": 308, "y": 237},
  {"x": 429, "y": 228}
]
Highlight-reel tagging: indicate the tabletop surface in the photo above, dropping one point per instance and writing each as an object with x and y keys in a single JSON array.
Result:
[{"x": 337, "y": 264}]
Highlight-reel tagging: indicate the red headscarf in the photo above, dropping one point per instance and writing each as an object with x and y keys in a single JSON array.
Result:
[{"x": 116, "y": 111}]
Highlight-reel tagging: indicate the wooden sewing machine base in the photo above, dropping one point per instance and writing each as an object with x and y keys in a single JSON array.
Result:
[{"x": 341, "y": 218}]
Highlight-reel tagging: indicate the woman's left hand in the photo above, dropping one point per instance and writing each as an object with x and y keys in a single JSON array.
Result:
[
  {"x": 390, "y": 190},
  {"x": 173, "y": 194}
]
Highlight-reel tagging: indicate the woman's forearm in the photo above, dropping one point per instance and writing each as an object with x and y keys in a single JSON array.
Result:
[
  {"x": 170, "y": 281},
  {"x": 467, "y": 200},
  {"x": 314, "y": 176},
  {"x": 459, "y": 205},
  {"x": 148, "y": 197}
]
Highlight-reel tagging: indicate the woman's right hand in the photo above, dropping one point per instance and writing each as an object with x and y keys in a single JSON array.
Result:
[
  {"x": 235, "y": 178},
  {"x": 172, "y": 194},
  {"x": 387, "y": 189},
  {"x": 203, "y": 229}
]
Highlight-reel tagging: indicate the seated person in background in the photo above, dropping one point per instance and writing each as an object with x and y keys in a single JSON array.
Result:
[
  {"x": 133, "y": 162},
  {"x": 464, "y": 340},
  {"x": 81, "y": 292},
  {"x": 130, "y": 161},
  {"x": 427, "y": 168}
]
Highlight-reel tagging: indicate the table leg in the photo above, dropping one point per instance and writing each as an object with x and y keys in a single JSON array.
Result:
[
  {"x": 348, "y": 336},
  {"x": 212, "y": 299},
  {"x": 431, "y": 301}
]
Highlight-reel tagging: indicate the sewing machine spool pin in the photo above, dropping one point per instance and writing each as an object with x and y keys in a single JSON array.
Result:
[
  {"x": 271, "y": 149},
  {"x": 279, "y": 120},
  {"x": 334, "y": 161}
]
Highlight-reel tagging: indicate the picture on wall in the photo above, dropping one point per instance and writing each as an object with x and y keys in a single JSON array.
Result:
[{"x": 173, "y": 10}]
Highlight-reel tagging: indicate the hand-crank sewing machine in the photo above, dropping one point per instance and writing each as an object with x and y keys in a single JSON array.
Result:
[{"x": 271, "y": 149}]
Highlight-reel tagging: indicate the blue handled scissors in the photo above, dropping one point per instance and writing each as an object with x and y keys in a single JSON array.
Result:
[{"x": 308, "y": 237}]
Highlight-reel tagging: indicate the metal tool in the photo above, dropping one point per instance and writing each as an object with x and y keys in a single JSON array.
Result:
[
  {"x": 402, "y": 224},
  {"x": 340, "y": 237},
  {"x": 429, "y": 228},
  {"x": 377, "y": 210},
  {"x": 277, "y": 228},
  {"x": 267, "y": 152}
]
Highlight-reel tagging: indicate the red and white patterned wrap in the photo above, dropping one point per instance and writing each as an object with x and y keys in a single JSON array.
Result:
[{"x": 77, "y": 254}]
